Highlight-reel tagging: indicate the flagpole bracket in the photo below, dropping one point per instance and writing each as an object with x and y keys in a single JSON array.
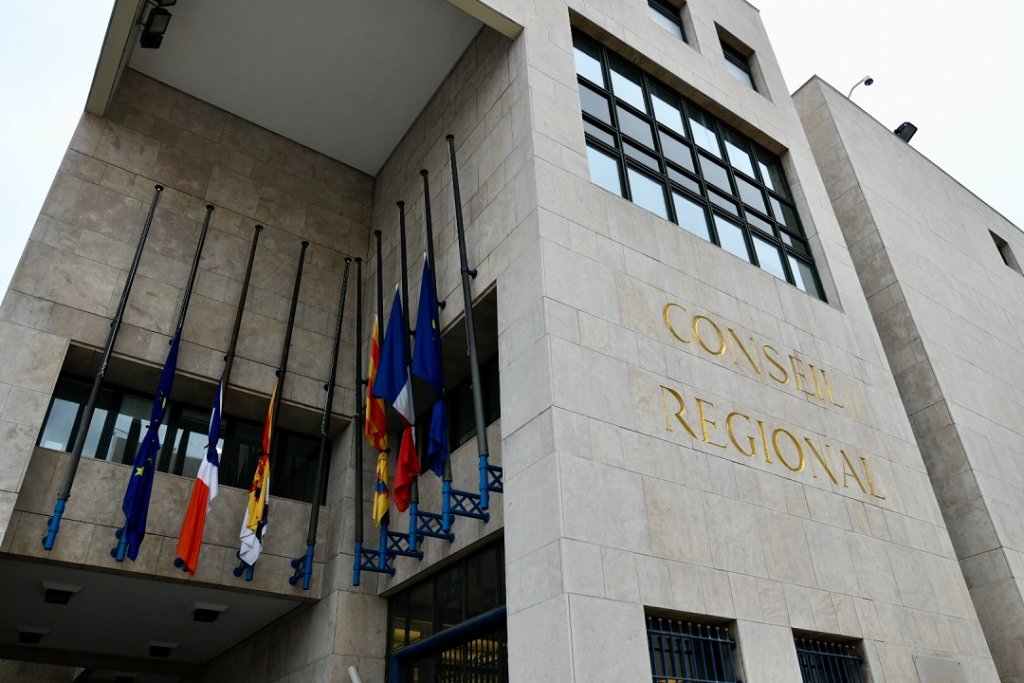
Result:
[
  {"x": 495, "y": 481},
  {"x": 472, "y": 272},
  {"x": 303, "y": 567},
  {"x": 466, "y": 504},
  {"x": 368, "y": 560},
  {"x": 397, "y": 545},
  {"x": 431, "y": 525}
]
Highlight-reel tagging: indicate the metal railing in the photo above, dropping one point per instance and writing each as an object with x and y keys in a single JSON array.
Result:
[
  {"x": 825, "y": 662},
  {"x": 685, "y": 652}
]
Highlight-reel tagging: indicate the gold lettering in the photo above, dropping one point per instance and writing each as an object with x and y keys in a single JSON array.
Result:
[
  {"x": 746, "y": 354},
  {"x": 700, "y": 339},
  {"x": 821, "y": 460},
  {"x": 732, "y": 435},
  {"x": 778, "y": 451},
  {"x": 828, "y": 388},
  {"x": 785, "y": 375},
  {"x": 764, "y": 442},
  {"x": 704, "y": 422},
  {"x": 668, "y": 320},
  {"x": 871, "y": 481},
  {"x": 848, "y": 471},
  {"x": 817, "y": 386},
  {"x": 797, "y": 375},
  {"x": 678, "y": 415}
]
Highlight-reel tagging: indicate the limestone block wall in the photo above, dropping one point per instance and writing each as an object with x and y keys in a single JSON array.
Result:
[
  {"x": 71, "y": 274},
  {"x": 949, "y": 312},
  {"x": 612, "y": 503}
]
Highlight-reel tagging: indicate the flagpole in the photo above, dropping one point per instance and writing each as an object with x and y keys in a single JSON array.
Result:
[
  {"x": 53, "y": 527},
  {"x": 385, "y": 523},
  {"x": 304, "y": 565},
  {"x": 414, "y": 488},
  {"x": 119, "y": 551},
  {"x": 358, "y": 418},
  {"x": 229, "y": 357},
  {"x": 282, "y": 369},
  {"x": 474, "y": 361},
  {"x": 190, "y": 538},
  {"x": 446, "y": 479}
]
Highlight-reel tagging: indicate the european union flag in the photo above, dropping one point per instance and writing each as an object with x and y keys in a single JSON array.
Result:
[
  {"x": 426, "y": 356},
  {"x": 136, "y": 499},
  {"x": 437, "y": 439}
]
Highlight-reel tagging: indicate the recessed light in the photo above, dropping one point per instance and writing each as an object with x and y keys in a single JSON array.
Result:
[
  {"x": 31, "y": 635},
  {"x": 58, "y": 593},
  {"x": 207, "y": 612},
  {"x": 157, "y": 648}
]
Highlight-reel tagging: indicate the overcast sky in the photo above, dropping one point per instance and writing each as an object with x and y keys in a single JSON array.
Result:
[{"x": 951, "y": 68}]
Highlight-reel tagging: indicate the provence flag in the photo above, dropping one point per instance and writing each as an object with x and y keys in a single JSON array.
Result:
[
  {"x": 376, "y": 425},
  {"x": 257, "y": 510},
  {"x": 426, "y": 357},
  {"x": 136, "y": 498},
  {"x": 204, "y": 490},
  {"x": 393, "y": 382}
]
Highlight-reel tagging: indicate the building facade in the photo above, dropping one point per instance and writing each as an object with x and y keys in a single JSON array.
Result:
[{"x": 728, "y": 450}]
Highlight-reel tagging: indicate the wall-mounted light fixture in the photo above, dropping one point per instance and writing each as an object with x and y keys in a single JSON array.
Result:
[
  {"x": 905, "y": 131},
  {"x": 867, "y": 80},
  {"x": 155, "y": 26}
]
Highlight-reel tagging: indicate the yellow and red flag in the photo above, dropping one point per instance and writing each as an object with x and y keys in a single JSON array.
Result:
[
  {"x": 257, "y": 512},
  {"x": 376, "y": 426}
]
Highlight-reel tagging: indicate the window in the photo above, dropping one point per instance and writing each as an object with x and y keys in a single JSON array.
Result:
[
  {"x": 827, "y": 662},
  {"x": 686, "y": 652},
  {"x": 667, "y": 16},
  {"x": 738, "y": 64},
  {"x": 119, "y": 422},
  {"x": 1004, "y": 250},
  {"x": 657, "y": 149}
]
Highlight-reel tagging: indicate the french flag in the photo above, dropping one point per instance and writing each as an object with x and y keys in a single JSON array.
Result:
[
  {"x": 204, "y": 490},
  {"x": 394, "y": 381}
]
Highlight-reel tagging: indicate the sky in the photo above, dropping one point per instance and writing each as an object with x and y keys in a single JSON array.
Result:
[{"x": 951, "y": 68}]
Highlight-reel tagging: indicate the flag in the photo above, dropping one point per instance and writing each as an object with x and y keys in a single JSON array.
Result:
[
  {"x": 257, "y": 511},
  {"x": 406, "y": 469},
  {"x": 140, "y": 487},
  {"x": 380, "y": 490},
  {"x": 376, "y": 425},
  {"x": 437, "y": 437},
  {"x": 426, "y": 357},
  {"x": 393, "y": 382},
  {"x": 204, "y": 490}
]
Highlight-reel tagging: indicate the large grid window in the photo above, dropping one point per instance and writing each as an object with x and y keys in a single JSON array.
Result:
[
  {"x": 119, "y": 425},
  {"x": 685, "y": 652},
  {"x": 648, "y": 144},
  {"x": 826, "y": 662}
]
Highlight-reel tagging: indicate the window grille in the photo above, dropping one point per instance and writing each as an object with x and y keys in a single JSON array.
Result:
[
  {"x": 824, "y": 662},
  {"x": 685, "y": 652}
]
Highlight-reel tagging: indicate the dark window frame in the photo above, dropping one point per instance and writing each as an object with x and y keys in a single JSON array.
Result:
[
  {"x": 736, "y": 57},
  {"x": 689, "y": 651},
  {"x": 791, "y": 241},
  {"x": 670, "y": 12},
  {"x": 825, "y": 661}
]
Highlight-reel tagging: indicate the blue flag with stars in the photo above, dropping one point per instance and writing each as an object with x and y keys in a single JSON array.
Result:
[
  {"x": 136, "y": 499},
  {"x": 427, "y": 365}
]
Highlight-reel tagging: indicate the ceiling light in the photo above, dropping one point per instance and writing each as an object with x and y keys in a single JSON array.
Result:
[
  {"x": 58, "y": 593},
  {"x": 207, "y": 612},
  {"x": 157, "y": 648},
  {"x": 31, "y": 635}
]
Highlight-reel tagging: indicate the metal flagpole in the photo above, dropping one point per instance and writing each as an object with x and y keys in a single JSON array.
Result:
[
  {"x": 474, "y": 361},
  {"x": 229, "y": 357},
  {"x": 385, "y": 522},
  {"x": 357, "y": 428},
  {"x": 281, "y": 371},
  {"x": 304, "y": 566},
  {"x": 53, "y": 527},
  {"x": 414, "y": 488},
  {"x": 119, "y": 551}
]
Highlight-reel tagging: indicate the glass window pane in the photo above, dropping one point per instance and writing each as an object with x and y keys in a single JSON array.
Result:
[
  {"x": 751, "y": 194},
  {"x": 723, "y": 202},
  {"x": 129, "y": 429},
  {"x": 604, "y": 170},
  {"x": 760, "y": 223},
  {"x": 588, "y": 63},
  {"x": 666, "y": 23},
  {"x": 686, "y": 181},
  {"x": 796, "y": 242},
  {"x": 715, "y": 174},
  {"x": 637, "y": 154},
  {"x": 626, "y": 86},
  {"x": 805, "y": 277},
  {"x": 635, "y": 127},
  {"x": 730, "y": 237},
  {"x": 599, "y": 133},
  {"x": 421, "y": 611},
  {"x": 771, "y": 172},
  {"x": 704, "y": 132},
  {"x": 736, "y": 146},
  {"x": 665, "y": 111},
  {"x": 595, "y": 104},
  {"x": 768, "y": 257},
  {"x": 59, "y": 423},
  {"x": 692, "y": 216},
  {"x": 648, "y": 193},
  {"x": 785, "y": 214},
  {"x": 676, "y": 151},
  {"x": 740, "y": 74}
]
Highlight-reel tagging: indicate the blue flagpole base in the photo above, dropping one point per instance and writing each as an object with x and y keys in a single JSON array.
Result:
[
  {"x": 180, "y": 564},
  {"x": 244, "y": 568},
  {"x": 119, "y": 551},
  {"x": 53, "y": 526},
  {"x": 303, "y": 567},
  {"x": 414, "y": 514},
  {"x": 466, "y": 504},
  {"x": 446, "y": 506},
  {"x": 485, "y": 498}
]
